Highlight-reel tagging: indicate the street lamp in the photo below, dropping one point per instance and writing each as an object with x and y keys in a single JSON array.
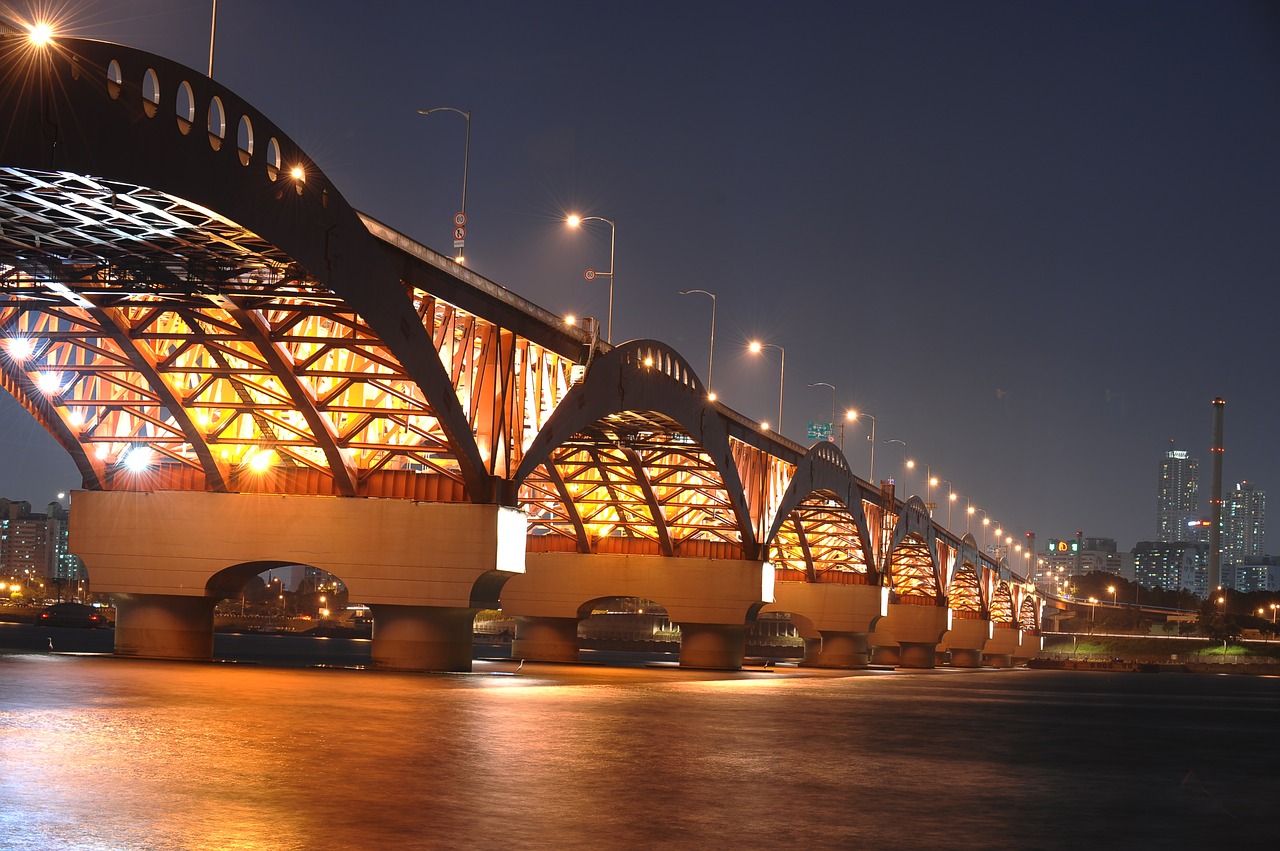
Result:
[
  {"x": 905, "y": 462},
  {"x": 1112, "y": 589},
  {"x": 460, "y": 218},
  {"x": 969, "y": 511},
  {"x": 712, "y": 350},
  {"x": 833, "y": 408},
  {"x": 755, "y": 348},
  {"x": 591, "y": 274},
  {"x": 852, "y": 416},
  {"x": 952, "y": 496}
]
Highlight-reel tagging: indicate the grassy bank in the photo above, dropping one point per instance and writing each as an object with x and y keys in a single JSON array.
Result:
[{"x": 1153, "y": 649}]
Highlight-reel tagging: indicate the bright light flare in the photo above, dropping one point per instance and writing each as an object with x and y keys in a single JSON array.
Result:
[
  {"x": 50, "y": 383},
  {"x": 754, "y": 347},
  {"x": 571, "y": 320},
  {"x": 40, "y": 34},
  {"x": 573, "y": 221},
  {"x": 138, "y": 459},
  {"x": 20, "y": 348},
  {"x": 298, "y": 173}
]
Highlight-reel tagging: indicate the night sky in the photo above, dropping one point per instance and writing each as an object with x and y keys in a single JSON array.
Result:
[{"x": 1035, "y": 240}]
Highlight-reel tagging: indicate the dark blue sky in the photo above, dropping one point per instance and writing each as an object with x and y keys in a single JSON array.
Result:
[{"x": 1033, "y": 239}]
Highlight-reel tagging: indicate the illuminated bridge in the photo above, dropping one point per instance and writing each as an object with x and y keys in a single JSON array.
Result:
[{"x": 249, "y": 373}]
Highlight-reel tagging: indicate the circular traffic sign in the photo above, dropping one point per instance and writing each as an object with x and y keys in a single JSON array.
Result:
[
  {"x": 459, "y": 218},
  {"x": 460, "y": 232},
  {"x": 590, "y": 274}
]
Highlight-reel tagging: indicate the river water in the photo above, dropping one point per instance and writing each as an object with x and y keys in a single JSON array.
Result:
[{"x": 105, "y": 753}]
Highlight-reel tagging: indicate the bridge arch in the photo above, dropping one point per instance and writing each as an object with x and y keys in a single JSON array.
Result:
[
  {"x": 820, "y": 521},
  {"x": 185, "y": 262},
  {"x": 640, "y": 432},
  {"x": 964, "y": 584},
  {"x": 911, "y": 570}
]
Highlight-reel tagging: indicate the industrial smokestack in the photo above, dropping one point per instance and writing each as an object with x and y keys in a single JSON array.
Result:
[{"x": 1215, "y": 499}]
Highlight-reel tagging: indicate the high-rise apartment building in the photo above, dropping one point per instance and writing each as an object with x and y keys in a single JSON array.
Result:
[
  {"x": 1173, "y": 565},
  {"x": 1243, "y": 525},
  {"x": 1178, "y": 495},
  {"x": 33, "y": 545}
]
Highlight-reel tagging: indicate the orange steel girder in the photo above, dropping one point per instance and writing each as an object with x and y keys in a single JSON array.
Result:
[
  {"x": 660, "y": 488},
  {"x": 820, "y": 539}
]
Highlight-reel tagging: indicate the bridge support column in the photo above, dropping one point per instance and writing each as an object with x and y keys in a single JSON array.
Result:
[
  {"x": 834, "y": 620},
  {"x": 917, "y": 629},
  {"x": 712, "y": 645},
  {"x": 163, "y": 626},
  {"x": 422, "y": 638},
  {"x": 842, "y": 650},
  {"x": 998, "y": 652},
  {"x": 542, "y": 639},
  {"x": 966, "y": 638}
]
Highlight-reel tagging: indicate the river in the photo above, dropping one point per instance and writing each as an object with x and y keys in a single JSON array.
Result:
[{"x": 106, "y": 753}]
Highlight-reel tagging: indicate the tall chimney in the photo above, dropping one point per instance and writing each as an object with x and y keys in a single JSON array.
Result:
[{"x": 1215, "y": 499}]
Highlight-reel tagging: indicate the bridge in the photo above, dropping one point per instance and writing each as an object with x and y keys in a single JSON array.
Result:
[{"x": 249, "y": 373}]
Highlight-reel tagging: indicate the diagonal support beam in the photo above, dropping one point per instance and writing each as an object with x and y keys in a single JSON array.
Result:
[
  {"x": 651, "y": 500},
  {"x": 256, "y": 332}
]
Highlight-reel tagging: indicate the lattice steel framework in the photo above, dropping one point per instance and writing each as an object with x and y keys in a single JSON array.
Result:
[
  {"x": 1002, "y": 604},
  {"x": 165, "y": 346},
  {"x": 634, "y": 482},
  {"x": 1029, "y": 614}
]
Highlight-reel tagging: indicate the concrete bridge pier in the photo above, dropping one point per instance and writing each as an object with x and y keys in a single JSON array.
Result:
[
  {"x": 998, "y": 652},
  {"x": 916, "y": 629},
  {"x": 422, "y": 638},
  {"x": 842, "y": 650},
  {"x": 710, "y": 599},
  {"x": 712, "y": 645},
  {"x": 164, "y": 626},
  {"x": 834, "y": 620},
  {"x": 546, "y": 639},
  {"x": 965, "y": 639}
]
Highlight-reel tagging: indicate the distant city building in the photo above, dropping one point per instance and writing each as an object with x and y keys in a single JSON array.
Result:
[
  {"x": 1177, "y": 496},
  {"x": 1172, "y": 565},
  {"x": 1256, "y": 575},
  {"x": 1243, "y": 525},
  {"x": 34, "y": 545},
  {"x": 1066, "y": 557}
]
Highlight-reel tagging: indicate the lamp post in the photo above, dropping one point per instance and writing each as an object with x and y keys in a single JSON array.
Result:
[
  {"x": 592, "y": 274},
  {"x": 1112, "y": 589},
  {"x": 460, "y": 219},
  {"x": 213, "y": 31},
  {"x": 833, "y": 408},
  {"x": 951, "y": 497},
  {"x": 756, "y": 347},
  {"x": 905, "y": 463},
  {"x": 969, "y": 511},
  {"x": 853, "y": 415},
  {"x": 712, "y": 350}
]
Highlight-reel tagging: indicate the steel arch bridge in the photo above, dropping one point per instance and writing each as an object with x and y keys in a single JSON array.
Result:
[{"x": 188, "y": 303}]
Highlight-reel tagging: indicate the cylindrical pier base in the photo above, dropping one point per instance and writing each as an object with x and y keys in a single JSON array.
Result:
[
  {"x": 964, "y": 657},
  {"x": 712, "y": 645},
  {"x": 546, "y": 639},
  {"x": 842, "y": 650},
  {"x": 422, "y": 638},
  {"x": 162, "y": 626},
  {"x": 914, "y": 654}
]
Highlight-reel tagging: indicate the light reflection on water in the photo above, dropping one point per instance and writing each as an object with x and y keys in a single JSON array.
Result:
[{"x": 114, "y": 753}]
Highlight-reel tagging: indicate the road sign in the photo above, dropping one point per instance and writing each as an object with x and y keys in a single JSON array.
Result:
[
  {"x": 460, "y": 232},
  {"x": 590, "y": 274},
  {"x": 457, "y": 243},
  {"x": 459, "y": 219},
  {"x": 820, "y": 431}
]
